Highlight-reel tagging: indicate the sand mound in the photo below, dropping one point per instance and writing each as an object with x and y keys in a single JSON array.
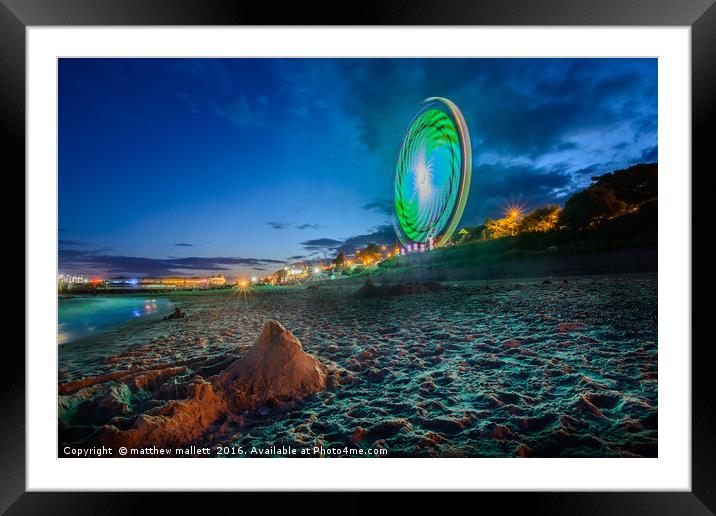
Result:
[{"x": 275, "y": 369}]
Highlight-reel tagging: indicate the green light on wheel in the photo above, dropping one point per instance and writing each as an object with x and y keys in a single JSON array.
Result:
[{"x": 432, "y": 177}]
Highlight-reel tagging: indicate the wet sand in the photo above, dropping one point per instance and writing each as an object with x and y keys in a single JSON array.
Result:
[{"x": 501, "y": 368}]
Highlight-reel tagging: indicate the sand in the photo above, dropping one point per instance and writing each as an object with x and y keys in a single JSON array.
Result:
[{"x": 529, "y": 367}]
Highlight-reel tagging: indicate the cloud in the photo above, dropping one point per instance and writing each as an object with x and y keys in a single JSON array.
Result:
[
  {"x": 222, "y": 90},
  {"x": 278, "y": 225},
  {"x": 297, "y": 257},
  {"x": 650, "y": 155},
  {"x": 321, "y": 243},
  {"x": 380, "y": 235},
  {"x": 86, "y": 260},
  {"x": 380, "y": 205},
  {"x": 493, "y": 187},
  {"x": 244, "y": 112},
  {"x": 302, "y": 227},
  {"x": 532, "y": 107},
  {"x": 180, "y": 244},
  {"x": 69, "y": 243},
  {"x": 541, "y": 112}
]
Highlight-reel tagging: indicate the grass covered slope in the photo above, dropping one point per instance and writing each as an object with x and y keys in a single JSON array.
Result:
[{"x": 633, "y": 230}]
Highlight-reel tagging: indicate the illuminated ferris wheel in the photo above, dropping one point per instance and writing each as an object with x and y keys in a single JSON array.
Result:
[{"x": 432, "y": 176}]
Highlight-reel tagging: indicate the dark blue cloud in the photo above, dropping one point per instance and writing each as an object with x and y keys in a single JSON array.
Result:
[
  {"x": 321, "y": 243},
  {"x": 650, "y": 155},
  {"x": 278, "y": 225},
  {"x": 381, "y": 235},
  {"x": 534, "y": 115},
  {"x": 244, "y": 112},
  {"x": 285, "y": 225},
  {"x": 380, "y": 205},
  {"x": 303, "y": 227},
  {"x": 493, "y": 187},
  {"x": 96, "y": 260},
  {"x": 69, "y": 243}
]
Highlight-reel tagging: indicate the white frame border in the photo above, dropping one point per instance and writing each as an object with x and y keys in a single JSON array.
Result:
[{"x": 670, "y": 471}]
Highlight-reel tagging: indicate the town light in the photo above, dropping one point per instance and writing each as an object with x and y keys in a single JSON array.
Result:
[{"x": 514, "y": 211}]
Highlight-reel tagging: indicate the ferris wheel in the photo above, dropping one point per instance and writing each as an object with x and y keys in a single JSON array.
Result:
[{"x": 432, "y": 176}]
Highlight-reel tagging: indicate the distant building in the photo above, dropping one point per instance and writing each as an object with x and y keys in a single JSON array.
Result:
[
  {"x": 71, "y": 278},
  {"x": 176, "y": 281},
  {"x": 216, "y": 281},
  {"x": 121, "y": 283},
  {"x": 67, "y": 281},
  {"x": 196, "y": 282},
  {"x": 281, "y": 276}
]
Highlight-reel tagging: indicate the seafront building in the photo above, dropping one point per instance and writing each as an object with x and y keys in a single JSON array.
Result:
[
  {"x": 72, "y": 278},
  {"x": 67, "y": 282}
]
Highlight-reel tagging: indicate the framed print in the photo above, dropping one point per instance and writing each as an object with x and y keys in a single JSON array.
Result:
[{"x": 441, "y": 250}]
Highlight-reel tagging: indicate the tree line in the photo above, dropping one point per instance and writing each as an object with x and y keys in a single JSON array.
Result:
[{"x": 608, "y": 197}]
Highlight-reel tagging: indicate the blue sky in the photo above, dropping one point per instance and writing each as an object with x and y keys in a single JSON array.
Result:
[{"x": 201, "y": 166}]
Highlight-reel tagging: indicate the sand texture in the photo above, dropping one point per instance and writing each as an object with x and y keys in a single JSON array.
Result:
[{"x": 529, "y": 367}]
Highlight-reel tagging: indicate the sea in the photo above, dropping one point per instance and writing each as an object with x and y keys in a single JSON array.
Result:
[{"x": 87, "y": 316}]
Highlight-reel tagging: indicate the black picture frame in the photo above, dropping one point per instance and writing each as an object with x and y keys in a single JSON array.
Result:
[{"x": 700, "y": 15}]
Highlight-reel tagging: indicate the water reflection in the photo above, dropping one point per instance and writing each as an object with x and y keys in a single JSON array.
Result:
[{"x": 81, "y": 317}]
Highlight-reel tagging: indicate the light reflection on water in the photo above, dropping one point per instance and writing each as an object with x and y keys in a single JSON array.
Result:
[{"x": 86, "y": 316}]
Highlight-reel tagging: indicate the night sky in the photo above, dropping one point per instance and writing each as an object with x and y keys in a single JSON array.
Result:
[{"x": 234, "y": 166}]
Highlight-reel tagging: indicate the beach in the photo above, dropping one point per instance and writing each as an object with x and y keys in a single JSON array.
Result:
[{"x": 528, "y": 367}]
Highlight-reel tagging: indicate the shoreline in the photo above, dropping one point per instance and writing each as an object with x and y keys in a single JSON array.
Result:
[{"x": 139, "y": 291}]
